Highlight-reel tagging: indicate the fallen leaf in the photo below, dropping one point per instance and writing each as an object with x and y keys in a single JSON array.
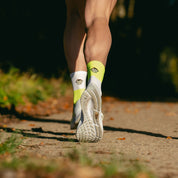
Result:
[
  {"x": 66, "y": 106},
  {"x": 169, "y": 137},
  {"x": 13, "y": 129},
  {"x": 121, "y": 138},
  {"x": 31, "y": 125},
  {"x": 111, "y": 118},
  {"x": 23, "y": 120},
  {"x": 107, "y": 99},
  {"x": 64, "y": 135},
  {"x": 4, "y": 126}
]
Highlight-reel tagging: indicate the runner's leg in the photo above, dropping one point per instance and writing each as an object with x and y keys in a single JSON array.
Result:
[
  {"x": 74, "y": 37},
  {"x": 97, "y": 46},
  {"x": 98, "y": 39}
]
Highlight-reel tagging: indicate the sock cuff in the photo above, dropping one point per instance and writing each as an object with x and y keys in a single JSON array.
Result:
[
  {"x": 78, "y": 74},
  {"x": 78, "y": 79},
  {"x": 97, "y": 69}
]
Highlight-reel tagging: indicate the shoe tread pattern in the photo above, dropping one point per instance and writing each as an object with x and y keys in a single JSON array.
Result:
[{"x": 90, "y": 130}]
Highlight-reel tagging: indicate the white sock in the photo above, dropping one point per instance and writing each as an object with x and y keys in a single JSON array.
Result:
[{"x": 78, "y": 79}]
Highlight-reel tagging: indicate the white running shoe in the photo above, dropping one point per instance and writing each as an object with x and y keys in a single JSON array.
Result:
[
  {"x": 90, "y": 127},
  {"x": 76, "y": 115}
]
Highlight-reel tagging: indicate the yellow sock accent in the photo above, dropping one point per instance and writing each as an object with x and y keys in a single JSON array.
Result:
[
  {"x": 97, "y": 69},
  {"x": 78, "y": 94}
]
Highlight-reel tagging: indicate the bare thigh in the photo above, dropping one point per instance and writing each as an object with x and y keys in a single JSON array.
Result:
[
  {"x": 98, "y": 9},
  {"x": 88, "y": 10}
]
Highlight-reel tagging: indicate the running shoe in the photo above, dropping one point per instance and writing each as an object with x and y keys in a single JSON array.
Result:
[{"x": 90, "y": 127}]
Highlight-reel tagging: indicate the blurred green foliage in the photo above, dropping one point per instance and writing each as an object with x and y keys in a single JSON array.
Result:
[
  {"x": 17, "y": 87},
  {"x": 10, "y": 145},
  {"x": 168, "y": 67}
]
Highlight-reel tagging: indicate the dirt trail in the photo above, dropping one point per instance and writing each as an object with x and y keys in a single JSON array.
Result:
[{"x": 143, "y": 130}]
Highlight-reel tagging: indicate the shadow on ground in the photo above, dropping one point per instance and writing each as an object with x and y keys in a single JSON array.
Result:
[
  {"x": 108, "y": 128},
  {"x": 25, "y": 133},
  {"x": 12, "y": 113}
]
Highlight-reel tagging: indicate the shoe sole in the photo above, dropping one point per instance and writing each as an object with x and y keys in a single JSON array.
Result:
[{"x": 91, "y": 130}]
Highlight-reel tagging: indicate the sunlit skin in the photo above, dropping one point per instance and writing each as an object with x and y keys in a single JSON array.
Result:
[{"x": 87, "y": 35}]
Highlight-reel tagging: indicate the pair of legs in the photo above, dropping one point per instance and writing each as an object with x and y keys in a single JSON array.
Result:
[
  {"x": 87, "y": 35},
  {"x": 87, "y": 41}
]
